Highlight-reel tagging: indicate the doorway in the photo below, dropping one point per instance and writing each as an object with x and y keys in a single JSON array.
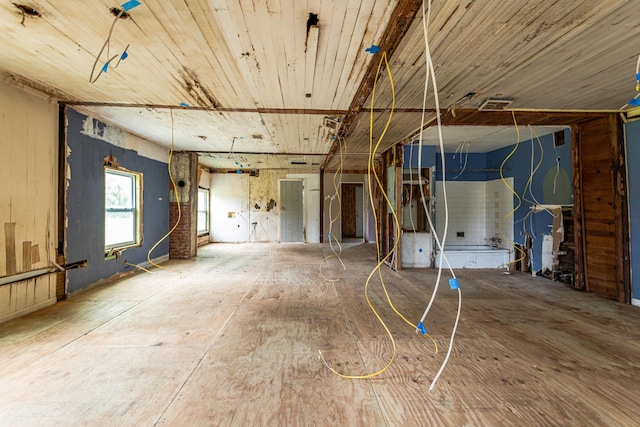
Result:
[{"x": 352, "y": 212}]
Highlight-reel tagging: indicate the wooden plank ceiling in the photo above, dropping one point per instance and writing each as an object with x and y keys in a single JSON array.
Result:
[{"x": 229, "y": 71}]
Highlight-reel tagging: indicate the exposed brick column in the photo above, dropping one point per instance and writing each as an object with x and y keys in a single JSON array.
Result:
[
  {"x": 180, "y": 239},
  {"x": 183, "y": 242}
]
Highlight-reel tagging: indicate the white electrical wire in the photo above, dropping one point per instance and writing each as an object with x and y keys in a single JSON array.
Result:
[
  {"x": 430, "y": 71},
  {"x": 555, "y": 178},
  {"x": 463, "y": 148}
]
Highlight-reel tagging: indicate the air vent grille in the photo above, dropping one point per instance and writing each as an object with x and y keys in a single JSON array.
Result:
[{"x": 495, "y": 104}]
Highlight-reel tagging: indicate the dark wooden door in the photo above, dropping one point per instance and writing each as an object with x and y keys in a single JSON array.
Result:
[{"x": 348, "y": 210}]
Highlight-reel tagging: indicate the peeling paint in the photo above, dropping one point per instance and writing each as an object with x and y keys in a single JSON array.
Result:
[{"x": 98, "y": 130}]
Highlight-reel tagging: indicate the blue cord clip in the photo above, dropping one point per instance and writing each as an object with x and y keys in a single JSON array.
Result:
[
  {"x": 373, "y": 49},
  {"x": 420, "y": 250},
  {"x": 634, "y": 102},
  {"x": 184, "y": 104},
  {"x": 105, "y": 67},
  {"x": 453, "y": 284},
  {"x": 422, "y": 328},
  {"x": 130, "y": 5},
  {"x": 124, "y": 55}
]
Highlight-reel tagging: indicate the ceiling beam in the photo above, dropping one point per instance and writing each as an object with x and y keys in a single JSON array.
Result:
[
  {"x": 310, "y": 111},
  {"x": 401, "y": 19}
]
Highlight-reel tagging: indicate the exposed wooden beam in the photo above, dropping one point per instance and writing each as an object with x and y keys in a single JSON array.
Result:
[
  {"x": 311, "y": 111},
  {"x": 401, "y": 19}
]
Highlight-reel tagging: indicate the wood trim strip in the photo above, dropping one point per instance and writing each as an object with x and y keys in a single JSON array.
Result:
[{"x": 580, "y": 281}]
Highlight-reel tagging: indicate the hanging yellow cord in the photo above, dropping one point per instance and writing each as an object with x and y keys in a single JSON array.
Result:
[
  {"x": 334, "y": 219},
  {"x": 389, "y": 204},
  {"x": 370, "y": 166},
  {"x": 530, "y": 180},
  {"x": 177, "y": 197},
  {"x": 513, "y": 211}
]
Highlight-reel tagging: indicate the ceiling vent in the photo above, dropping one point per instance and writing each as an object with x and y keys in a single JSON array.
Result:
[{"x": 495, "y": 104}]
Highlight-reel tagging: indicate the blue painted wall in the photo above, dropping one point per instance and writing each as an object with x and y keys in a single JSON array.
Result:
[
  {"x": 474, "y": 170},
  {"x": 518, "y": 166},
  {"x": 633, "y": 182},
  {"x": 85, "y": 205},
  {"x": 411, "y": 156}
]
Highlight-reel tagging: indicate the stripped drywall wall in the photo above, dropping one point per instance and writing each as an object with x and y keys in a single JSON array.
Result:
[
  {"x": 88, "y": 144},
  {"x": 28, "y": 200},
  {"x": 246, "y": 208},
  {"x": 632, "y": 131}
]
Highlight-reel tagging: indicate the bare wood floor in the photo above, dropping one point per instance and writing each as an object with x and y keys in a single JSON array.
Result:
[{"x": 231, "y": 338}]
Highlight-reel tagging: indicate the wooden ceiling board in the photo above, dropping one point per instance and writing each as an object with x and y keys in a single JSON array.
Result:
[
  {"x": 248, "y": 161},
  {"x": 219, "y": 129},
  {"x": 245, "y": 66},
  {"x": 299, "y": 133},
  {"x": 567, "y": 50},
  {"x": 272, "y": 39}
]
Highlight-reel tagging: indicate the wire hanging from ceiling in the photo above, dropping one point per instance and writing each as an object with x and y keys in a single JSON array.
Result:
[
  {"x": 119, "y": 14},
  {"x": 453, "y": 282}
]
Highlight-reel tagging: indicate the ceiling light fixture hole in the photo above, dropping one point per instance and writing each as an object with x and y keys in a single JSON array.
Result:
[
  {"x": 27, "y": 10},
  {"x": 119, "y": 13}
]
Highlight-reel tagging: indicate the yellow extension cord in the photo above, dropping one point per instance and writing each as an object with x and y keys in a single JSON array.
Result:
[{"x": 370, "y": 167}]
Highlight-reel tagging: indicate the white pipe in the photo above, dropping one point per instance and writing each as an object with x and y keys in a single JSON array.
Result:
[{"x": 24, "y": 276}]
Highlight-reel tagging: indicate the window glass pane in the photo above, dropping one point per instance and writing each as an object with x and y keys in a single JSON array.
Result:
[
  {"x": 119, "y": 192},
  {"x": 203, "y": 209},
  {"x": 119, "y": 227},
  {"x": 202, "y": 200},
  {"x": 122, "y": 210},
  {"x": 202, "y": 221}
]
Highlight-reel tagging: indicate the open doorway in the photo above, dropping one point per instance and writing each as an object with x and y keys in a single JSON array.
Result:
[{"x": 352, "y": 212}]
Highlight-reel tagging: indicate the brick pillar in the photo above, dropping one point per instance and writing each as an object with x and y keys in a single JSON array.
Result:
[{"x": 183, "y": 242}]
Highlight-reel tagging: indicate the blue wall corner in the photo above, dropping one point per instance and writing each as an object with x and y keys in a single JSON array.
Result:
[
  {"x": 85, "y": 205},
  {"x": 633, "y": 183},
  {"x": 550, "y": 184}
]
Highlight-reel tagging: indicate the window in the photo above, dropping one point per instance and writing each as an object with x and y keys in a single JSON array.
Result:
[
  {"x": 203, "y": 211},
  {"x": 123, "y": 209}
]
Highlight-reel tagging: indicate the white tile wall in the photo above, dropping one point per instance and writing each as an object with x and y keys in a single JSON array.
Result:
[{"x": 476, "y": 209}]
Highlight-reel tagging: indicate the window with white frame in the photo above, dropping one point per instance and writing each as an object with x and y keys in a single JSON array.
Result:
[
  {"x": 203, "y": 211},
  {"x": 123, "y": 209}
]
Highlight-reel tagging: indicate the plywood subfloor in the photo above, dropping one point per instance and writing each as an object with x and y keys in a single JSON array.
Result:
[{"x": 231, "y": 338}]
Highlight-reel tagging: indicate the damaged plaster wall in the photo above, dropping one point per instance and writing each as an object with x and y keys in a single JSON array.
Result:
[
  {"x": 247, "y": 208},
  {"x": 28, "y": 201},
  {"x": 89, "y": 143},
  {"x": 230, "y": 208}
]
